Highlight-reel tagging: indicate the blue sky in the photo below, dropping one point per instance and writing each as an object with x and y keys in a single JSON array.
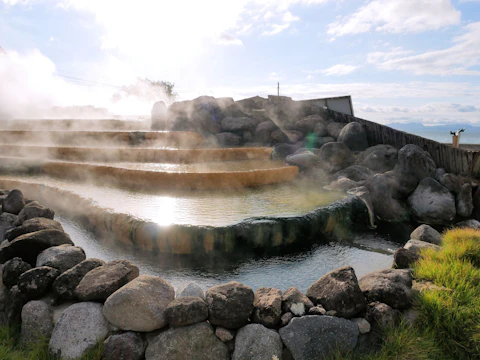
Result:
[{"x": 401, "y": 60}]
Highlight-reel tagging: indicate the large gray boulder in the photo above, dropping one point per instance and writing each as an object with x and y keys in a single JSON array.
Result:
[
  {"x": 61, "y": 257},
  {"x": 431, "y": 203},
  {"x": 37, "y": 322},
  {"x": 319, "y": 141},
  {"x": 354, "y": 136},
  {"x": 335, "y": 157},
  {"x": 238, "y": 124},
  {"x": 263, "y": 131},
  {"x": 464, "y": 201},
  {"x": 78, "y": 330},
  {"x": 281, "y": 151},
  {"x": 7, "y": 222},
  {"x": 186, "y": 310},
  {"x": 354, "y": 172},
  {"x": 380, "y": 158},
  {"x": 380, "y": 315},
  {"x": 334, "y": 129},
  {"x": 191, "y": 289},
  {"x": 416, "y": 246},
  {"x": 317, "y": 337},
  {"x": 35, "y": 282},
  {"x": 126, "y": 346},
  {"x": 205, "y": 114},
  {"x": 268, "y": 306},
  {"x": 451, "y": 181},
  {"x": 382, "y": 188},
  {"x": 339, "y": 291},
  {"x": 140, "y": 305},
  {"x": 64, "y": 286},
  {"x": 286, "y": 136},
  {"x": 34, "y": 210},
  {"x": 15, "y": 302},
  {"x": 234, "y": 110},
  {"x": 390, "y": 286},
  {"x": 12, "y": 270},
  {"x": 342, "y": 184},
  {"x": 101, "y": 282},
  {"x": 196, "y": 341},
  {"x": 307, "y": 124},
  {"x": 414, "y": 162},
  {"x": 295, "y": 302},
  {"x": 28, "y": 246},
  {"x": 230, "y": 305},
  {"x": 320, "y": 130},
  {"x": 228, "y": 139},
  {"x": 305, "y": 160},
  {"x": 404, "y": 258},
  {"x": 32, "y": 225},
  {"x": 426, "y": 233},
  {"x": 471, "y": 223},
  {"x": 256, "y": 342},
  {"x": 14, "y": 202},
  {"x": 3, "y": 293},
  {"x": 159, "y": 116}
]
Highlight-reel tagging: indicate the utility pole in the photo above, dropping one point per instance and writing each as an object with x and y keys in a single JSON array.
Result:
[{"x": 278, "y": 89}]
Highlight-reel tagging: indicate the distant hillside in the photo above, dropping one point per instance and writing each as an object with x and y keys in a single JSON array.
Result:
[
  {"x": 413, "y": 127},
  {"x": 441, "y": 133}
]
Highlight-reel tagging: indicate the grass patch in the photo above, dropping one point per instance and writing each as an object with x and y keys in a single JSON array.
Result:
[
  {"x": 448, "y": 327},
  {"x": 401, "y": 343},
  {"x": 10, "y": 349},
  {"x": 453, "y": 314}
]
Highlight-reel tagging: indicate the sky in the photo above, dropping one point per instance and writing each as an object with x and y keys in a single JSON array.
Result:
[{"x": 400, "y": 60}]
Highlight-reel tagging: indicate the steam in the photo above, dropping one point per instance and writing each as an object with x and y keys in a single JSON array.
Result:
[
  {"x": 27, "y": 84},
  {"x": 31, "y": 87}
]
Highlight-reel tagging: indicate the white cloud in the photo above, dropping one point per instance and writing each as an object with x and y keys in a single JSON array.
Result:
[
  {"x": 429, "y": 113},
  {"x": 227, "y": 39},
  {"x": 276, "y": 29},
  {"x": 275, "y": 76},
  {"x": 458, "y": 59},
  {"x": 284, "y": 21},
  {"x": 397, "y": 16},
  {"x": 289, "y": 17},
  {"x": 340, "y": 69}
]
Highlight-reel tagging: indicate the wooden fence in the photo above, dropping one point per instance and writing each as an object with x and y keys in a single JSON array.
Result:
[{"x": 457, "y": 161}]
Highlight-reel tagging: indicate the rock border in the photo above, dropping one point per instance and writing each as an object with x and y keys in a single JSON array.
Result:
[{"x": 140, "y": 315}]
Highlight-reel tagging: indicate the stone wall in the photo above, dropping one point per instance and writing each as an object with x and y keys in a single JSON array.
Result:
[{"x": 51, "y": 290}]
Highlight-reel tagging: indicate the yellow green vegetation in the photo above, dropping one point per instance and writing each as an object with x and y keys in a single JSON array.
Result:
[{"x": 448, "y": 327}]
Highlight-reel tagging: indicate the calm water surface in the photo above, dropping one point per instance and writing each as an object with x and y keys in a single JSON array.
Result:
[
  {"x": 365, "y": 252},
  {"x": 214, "y": 208}
]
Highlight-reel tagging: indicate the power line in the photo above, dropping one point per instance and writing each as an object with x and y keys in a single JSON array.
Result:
[{"x": 84, "y": 82}]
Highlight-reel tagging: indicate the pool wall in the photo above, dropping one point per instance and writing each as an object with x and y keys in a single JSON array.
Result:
[{"x": 261, "y": 233}]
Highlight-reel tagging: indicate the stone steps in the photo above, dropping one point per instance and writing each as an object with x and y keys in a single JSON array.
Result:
[
  {"x": 152, "y": 177},
  {"x": 92, "y": 138},
  {"x": 135, "y": 154},
  {"x": 75, "y": 124}
]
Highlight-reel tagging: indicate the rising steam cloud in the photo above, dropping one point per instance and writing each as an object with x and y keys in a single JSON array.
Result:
[{"x": 31, "y": 87}]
